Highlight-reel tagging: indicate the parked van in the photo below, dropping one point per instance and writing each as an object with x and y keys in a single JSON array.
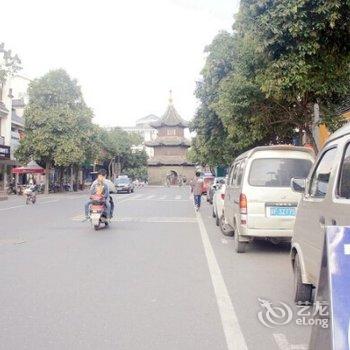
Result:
[
  {"x": 258, "y": 200},
  {"x": 325, "y": 202}
]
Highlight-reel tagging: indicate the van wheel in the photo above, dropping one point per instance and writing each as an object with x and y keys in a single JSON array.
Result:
[
  {"x": 302, "y": 292},
  {"x": 225, "y": 228},
  {"x": 240, "y": 247}
]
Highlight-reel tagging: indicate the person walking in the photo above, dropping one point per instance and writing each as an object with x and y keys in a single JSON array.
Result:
[{"x": 197, "y": 189}]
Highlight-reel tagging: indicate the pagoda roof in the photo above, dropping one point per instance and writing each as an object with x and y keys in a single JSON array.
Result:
[
  {"x": 170, "y": 118},
  {"x": 169, "y": 141},
  {"x": 168, "y": 160}
]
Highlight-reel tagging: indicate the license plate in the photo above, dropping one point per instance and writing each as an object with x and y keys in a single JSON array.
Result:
[{"x": 283, "y": 211}]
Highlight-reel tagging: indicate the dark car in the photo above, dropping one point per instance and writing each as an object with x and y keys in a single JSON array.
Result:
[{"x": 124, "y": 184}]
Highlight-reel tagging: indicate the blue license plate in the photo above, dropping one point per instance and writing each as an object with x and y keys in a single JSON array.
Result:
[{"x": 283, "y": 211}]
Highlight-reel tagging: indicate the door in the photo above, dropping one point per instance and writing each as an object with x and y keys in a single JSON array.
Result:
[
  {"x": 229, "y": 195},
  {"x": 339, "y": 212},
  {"x": 237, "y": 191},
  {"x": 311, "y": 218}
]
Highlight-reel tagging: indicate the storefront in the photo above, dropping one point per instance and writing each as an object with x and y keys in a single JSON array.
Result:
[{"x": 6, "y": 164}]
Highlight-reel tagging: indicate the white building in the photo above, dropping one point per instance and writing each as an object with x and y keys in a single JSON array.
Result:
[
  {"x": 13, "y": 98},
  {"x": 144, "y": 129}
]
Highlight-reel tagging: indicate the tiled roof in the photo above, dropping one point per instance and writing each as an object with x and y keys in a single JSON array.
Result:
[{"x": 170, "y": 118}]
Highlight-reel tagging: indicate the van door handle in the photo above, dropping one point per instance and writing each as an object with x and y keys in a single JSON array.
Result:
[
  {"x": 334, "y": 222},
  {"x": 322, "y": 221}
]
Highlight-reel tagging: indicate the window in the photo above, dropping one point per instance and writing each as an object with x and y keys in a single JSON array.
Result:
[
  {"x": 344, "y": 180},
  {"x": 277, "y": 172},
  {"x": 320, "y": 177},
  {"x": 234, "y": 174},
  {"x": 240, "y": 173},
  {"x": 171, "y": 132}
]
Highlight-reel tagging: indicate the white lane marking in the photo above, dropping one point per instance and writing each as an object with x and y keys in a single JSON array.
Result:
[
  {"x": 53, "y": 201},
  {"x": 233, "y": 334},
  {"x": 162, "y": 197},
  {"x": 178, "y": 197},
  {"x": 150, "y": 197},
  {"x": 147, "y": 220},
  {"x": 160, "y": 200},
  {"x": 283, "y": 344},
  {"x": 137, "y": 196},
  {"x": 17, "y": 206}
]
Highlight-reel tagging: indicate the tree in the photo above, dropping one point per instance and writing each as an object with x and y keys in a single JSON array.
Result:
[
  {"x": 9, "y": 65},
  {"x": 306, "y": 44},
  {"x": 212, "y": 144},
  {"x": 58, "y": 123}
]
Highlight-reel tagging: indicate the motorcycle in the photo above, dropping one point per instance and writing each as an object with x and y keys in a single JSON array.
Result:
[
  {"x": 30, "y": 194},
  {"x": 98, "y": 214}
]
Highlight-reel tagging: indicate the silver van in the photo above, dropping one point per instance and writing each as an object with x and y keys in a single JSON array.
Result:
[
  {"x": 258, "y": 199},
  {"x": 325, "y": 201}
]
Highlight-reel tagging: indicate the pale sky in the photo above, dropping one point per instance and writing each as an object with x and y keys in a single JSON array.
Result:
[{"x": 126, "y": 55}]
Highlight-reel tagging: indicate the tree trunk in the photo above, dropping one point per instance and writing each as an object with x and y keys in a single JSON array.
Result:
[
  {"x": 47, "y": 177},
  {"x": 311, "y": 138},
  {"x": 71, "y": 177}
]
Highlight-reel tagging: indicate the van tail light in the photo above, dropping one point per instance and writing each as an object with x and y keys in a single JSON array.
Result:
[
  {"x": 222, "y": 196},
  {"x": 243, "y": 206}
]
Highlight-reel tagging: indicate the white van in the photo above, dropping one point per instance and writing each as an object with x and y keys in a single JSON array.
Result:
[
  {"x": 258, "y": 200},
  {"x": 325, "y": 202}
]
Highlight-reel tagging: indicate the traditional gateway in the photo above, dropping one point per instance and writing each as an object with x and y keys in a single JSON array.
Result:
[{"x": 170, "y": 162}]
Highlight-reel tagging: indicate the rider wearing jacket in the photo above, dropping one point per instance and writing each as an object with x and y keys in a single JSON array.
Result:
[{"x": 100, "y": 187}]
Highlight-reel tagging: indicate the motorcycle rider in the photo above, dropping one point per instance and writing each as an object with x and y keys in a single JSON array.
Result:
[{"x": 99, "y": 187}]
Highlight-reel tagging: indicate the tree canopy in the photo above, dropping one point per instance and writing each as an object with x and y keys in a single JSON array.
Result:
[{"x": 260, "y": 83}]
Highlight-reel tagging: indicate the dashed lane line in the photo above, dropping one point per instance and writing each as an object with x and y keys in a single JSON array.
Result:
[{"x": 232, "y": 330}]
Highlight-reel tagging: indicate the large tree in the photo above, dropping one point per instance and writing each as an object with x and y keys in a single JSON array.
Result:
[
  {"x": 58, "y": 124},
  {"x": 306, "y": 44}
]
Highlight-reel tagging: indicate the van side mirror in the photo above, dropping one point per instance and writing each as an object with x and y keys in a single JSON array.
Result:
[{"x": 298, "y": 185}]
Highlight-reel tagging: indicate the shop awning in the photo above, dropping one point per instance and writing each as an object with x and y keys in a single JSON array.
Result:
[{"x": 31, "y": 168}]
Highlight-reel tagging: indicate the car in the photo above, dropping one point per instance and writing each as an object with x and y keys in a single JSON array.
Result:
[
  {"x": 208, "y": 179},
  {"x": 218, "y": 181},
  {"x": 124, "y": 184},
  {"x": 325, "y": 202},
  {"x": 259, "y": 202},
  {"x": 218, "y": 210}
]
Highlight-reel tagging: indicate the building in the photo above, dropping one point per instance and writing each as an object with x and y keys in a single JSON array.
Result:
[
  {"x": 13, "y": 98},
  {"x": 170, "y": 149},
  {"x": 144, "y": 129}
]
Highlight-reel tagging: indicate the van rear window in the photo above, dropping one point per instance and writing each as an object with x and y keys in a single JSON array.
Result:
[{"x": 277, "y": 172}]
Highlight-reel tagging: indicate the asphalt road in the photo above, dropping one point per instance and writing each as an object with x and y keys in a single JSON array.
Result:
[{"x": 161, "y": 277}]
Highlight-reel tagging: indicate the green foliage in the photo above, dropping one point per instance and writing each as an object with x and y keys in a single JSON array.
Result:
[
  {"x": 8, "y": 64},
  {"x": 58, "y": 124},
  {"x": 260, "y": 83}
]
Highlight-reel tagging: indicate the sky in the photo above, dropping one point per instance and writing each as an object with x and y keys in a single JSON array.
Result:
[{"x": 126, "y": 55}]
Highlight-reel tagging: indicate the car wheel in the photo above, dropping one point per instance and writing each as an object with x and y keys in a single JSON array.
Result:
[
  {"x": 240, "y": 247},
  {"x": 302, "y": 292},
  {"x": 225, "y": 229}
]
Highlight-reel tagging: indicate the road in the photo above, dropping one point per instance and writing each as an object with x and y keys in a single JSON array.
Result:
[{"x": 161, "y": 277}]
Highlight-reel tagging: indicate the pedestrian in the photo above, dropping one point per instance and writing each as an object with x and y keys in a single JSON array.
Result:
[{"x": 197, "y": 190}]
